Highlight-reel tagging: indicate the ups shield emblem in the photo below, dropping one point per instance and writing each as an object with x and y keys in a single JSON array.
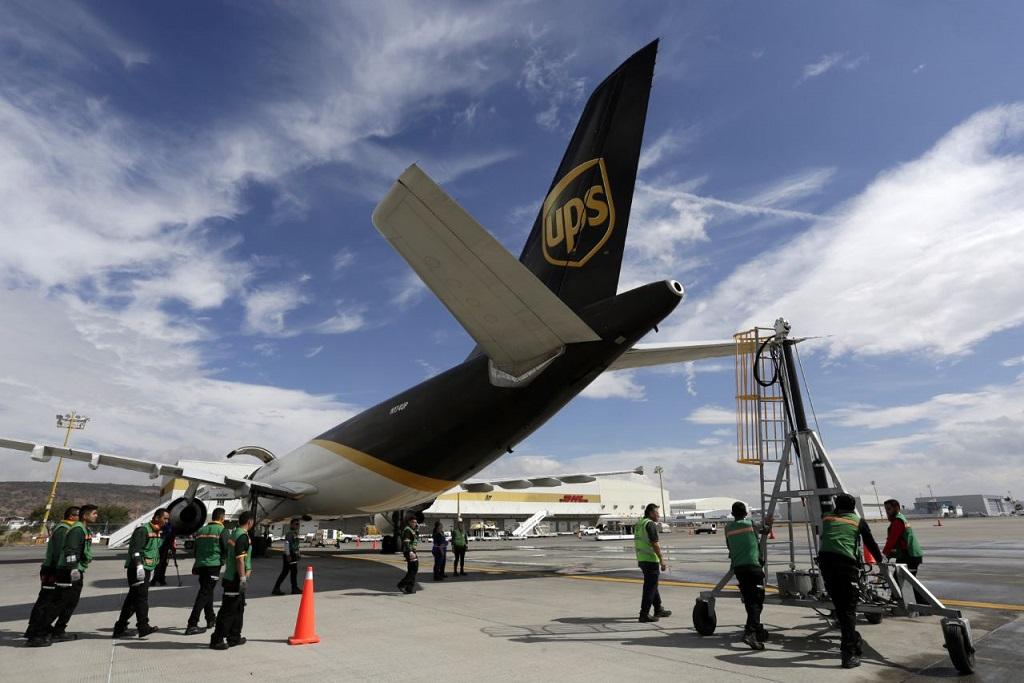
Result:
[{"x": 579, "y": 215}]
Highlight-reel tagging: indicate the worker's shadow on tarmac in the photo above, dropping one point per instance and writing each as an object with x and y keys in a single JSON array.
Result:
[{"x": 818, "y": 649}]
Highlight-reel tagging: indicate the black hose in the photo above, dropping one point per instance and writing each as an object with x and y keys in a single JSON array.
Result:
[{"x": 775, "y": 363}]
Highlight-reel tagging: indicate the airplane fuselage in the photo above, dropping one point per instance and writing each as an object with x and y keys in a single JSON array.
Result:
[{"x": 406, "y": 450}]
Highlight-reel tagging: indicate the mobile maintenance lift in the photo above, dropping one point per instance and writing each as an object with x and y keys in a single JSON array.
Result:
[{"x": 772, "y": 432}]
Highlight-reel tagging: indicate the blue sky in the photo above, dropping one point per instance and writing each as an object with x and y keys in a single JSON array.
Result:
[{"x": 186, "y": 190}]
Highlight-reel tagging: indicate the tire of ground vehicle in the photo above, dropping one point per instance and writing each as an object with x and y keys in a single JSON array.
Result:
[
  {"x": 873, "y": 617},
  {"x": 704, "y": 620},
  {"x": 960, "y": 653}
]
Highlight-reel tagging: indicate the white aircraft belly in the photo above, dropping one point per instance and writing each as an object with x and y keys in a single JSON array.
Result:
[{"x": 343, "y": 487}]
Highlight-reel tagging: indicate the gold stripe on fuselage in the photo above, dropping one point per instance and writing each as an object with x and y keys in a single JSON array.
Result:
[{"x": 378, "y": 466}]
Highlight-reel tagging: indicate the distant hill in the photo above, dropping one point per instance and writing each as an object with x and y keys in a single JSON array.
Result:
[{"x": 19, "y": 498}]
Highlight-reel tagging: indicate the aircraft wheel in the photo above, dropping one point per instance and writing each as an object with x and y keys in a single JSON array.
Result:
[
  {"x": 961, "y": 653},
  {"x": 704, "y": 618}
]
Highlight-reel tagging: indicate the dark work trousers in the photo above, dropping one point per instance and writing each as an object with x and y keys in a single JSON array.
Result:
[
  {"x": 460, "y": 559},
  {"x": 651, "y": 595},
  {"x": 65, "y": 601},
  {"x": 751, "y": 580},
  {"x": 439, "y": 563},
  {"x": 160, "y": 573},
  {"x": 842, "y": 578},
  {"x": 288, "y": 567},
  {"x": 38, "y": 625},
  {"x": 231, "y": 614},
  {"x": 204, "y": 598},
  {"x": 411, "y": 568},
  {"x": 136, "y": 602},
  {"x": 912, "y": 564}
]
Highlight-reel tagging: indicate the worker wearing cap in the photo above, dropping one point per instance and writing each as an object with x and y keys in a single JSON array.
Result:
[
  {"x": 742, "y": 537},
  {"x": 290, "y": 559},
  {"x": 650, "y": 560},
  {"x": 901, "y": 543},
  {"x": 412, "y": 560},
  {"x": 143, "y": 555},
  {"x": 839, "y": 560},
  {"x": 73, "y": 560},
  {"x": 210, "y": 545},
  {"x": 38, "y": 631},
  {"x": 237, "y": 569}
]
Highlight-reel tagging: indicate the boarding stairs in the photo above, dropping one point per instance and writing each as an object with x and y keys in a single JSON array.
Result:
[
  {"x": 121, "y": 537},
  {"x": 524, "y": 529}
]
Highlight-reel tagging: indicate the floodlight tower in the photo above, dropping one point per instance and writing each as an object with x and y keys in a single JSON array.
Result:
[
  {"x": 661, "y": 485},
  {"x": 67, "y": 421}
]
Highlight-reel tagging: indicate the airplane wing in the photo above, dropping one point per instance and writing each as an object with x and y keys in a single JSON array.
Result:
[
  {"x": 644, "y": 355},
  {"x": 243, "y": 486},
  {"x": 473, "y": 486},
  {"x": 511, "y": 314}
]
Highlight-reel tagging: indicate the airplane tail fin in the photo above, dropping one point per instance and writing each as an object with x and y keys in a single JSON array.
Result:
[{"x": 576, "y": 244}]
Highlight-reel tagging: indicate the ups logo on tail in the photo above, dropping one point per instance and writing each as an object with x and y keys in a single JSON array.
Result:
[{"x": 579, "y": 215}]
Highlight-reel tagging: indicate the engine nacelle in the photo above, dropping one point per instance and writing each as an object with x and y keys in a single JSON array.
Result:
[{"x": 187, "y": 516}]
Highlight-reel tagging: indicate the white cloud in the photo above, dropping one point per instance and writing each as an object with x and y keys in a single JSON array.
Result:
[
  {"x": 620, "y": 384},
  {"x": 547, "y": 82},
  {"x": 1013, "y": 362},
  {"x": 827, "y": 62},
  {"x": 896, "y": 268},
  {"x": 918, "y": 69},
  {"x": 666, "y": 145},
  {"x": 343, "y": 259},
  {"x": 408, "y": 291},
  {"x": 792, "y": 188},
  {"x": 712, "y": 415},
  {"x": 266, "y": 308},
  {"x": 314, "y": 352},
  {"x": 342, "y": 322}
]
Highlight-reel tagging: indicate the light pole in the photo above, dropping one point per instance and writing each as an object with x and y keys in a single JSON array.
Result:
[
  {"x": 878, "y": 503},
  {"x": 659, "y": 470},
  {"x": 67, "y": 421}
]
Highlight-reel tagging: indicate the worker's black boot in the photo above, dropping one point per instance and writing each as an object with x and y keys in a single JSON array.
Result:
[
  {"x": 850, "y": 660},
  {"x": 762, "y": 634},
  {"x": 647, "y": 618},
  {"x": 194, "y": 630},
  {"x": 662, "y": 612},
  {"x": 146, "y": 630},
  {"x": 120, "y": 631},
  {"x": 750, "y": 639}
]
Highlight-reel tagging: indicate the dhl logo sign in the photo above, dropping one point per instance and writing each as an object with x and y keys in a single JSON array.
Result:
[
  {"x": 573, "y": 498},
  {"x": 579, "y": 215}
]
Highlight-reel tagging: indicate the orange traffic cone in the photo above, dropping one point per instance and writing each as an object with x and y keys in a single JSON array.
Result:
[
  {"x": 305, "y": 625},
  {"x": 868, "y": 557}
]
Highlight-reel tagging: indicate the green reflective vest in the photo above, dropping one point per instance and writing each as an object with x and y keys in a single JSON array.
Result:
[
  {"x": 146, "y": 544},
  {"x": 231, "y": 561},
  {"x": 909, "y": 546},
  {"x": 458, "y": 538},
  {"x": 56, "y": 544},
  {"x": 291, "y": 540},
  {"x": 77, "y": 533},
  {"x": 409, "y": 540},
  {"x": 208, "y": 550},
  {"x": 642, "y": 542},
  {"x": 839, "y": 534},
  {"x": 744, "y": 546}
]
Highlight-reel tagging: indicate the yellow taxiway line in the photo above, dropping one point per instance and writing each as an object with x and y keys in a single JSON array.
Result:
[{"x": 668, "y": 582}]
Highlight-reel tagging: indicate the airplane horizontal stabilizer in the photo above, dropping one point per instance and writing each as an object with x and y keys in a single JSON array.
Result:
[
  {"x": 517, "y": 321},
  {"x": 644, "y": 355},
  {"x": 243, "y": 485},
  {"x": 477, "y": 486}
]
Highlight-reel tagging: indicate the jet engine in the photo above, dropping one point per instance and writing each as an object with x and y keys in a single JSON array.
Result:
[
  {"x": 187, "y": 515},
  {"x": 390, "y": 526}
]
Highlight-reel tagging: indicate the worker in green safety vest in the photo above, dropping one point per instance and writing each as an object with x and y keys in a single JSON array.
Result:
[
  {"x": 412, "y": 560},
  {"x": 839, "y": 560},
  {"x": 237, "y": 569},
  {"x": 290, "y": 555},
  {"x": 39, "y": 621},
  {"x": 72, "y": 561},
  {"x": 743, "y": 539},
  {"x": 651, "y": 563},
  {"x": 210, "y": 548},
  {"x": 901, "y": 542},
  {"x": 143, "y": 555},
  {"x": 460, "y": 543}
]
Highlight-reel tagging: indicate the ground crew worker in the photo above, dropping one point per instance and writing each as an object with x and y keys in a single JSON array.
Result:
[
  {"x": 460, "y": 542},
  {"x": 290, "y": 558},
  {"x": 901, "y": 543},
  {"x": 210, "y": 551},
  {"x": 412, "y": 560},
  {"x": 167, "y": 550},
  {"x": 237, "y": 569},
  {"x": 742, "y": 538},
  {"x": 73, "y": 560},
  {"x": 143, "y": 554},
  {"x": 38, "y": 631},
  {"x": 439, "y": 550},
  {"x": 650, "y": 559},
  {"x": 839, "y": 561}
]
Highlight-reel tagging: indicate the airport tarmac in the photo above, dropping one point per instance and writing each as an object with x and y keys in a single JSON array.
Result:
[{"x": 554, "y": 608}]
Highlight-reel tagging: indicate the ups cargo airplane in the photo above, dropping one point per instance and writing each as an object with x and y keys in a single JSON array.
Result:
[{"x": 545, "y": 327}]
